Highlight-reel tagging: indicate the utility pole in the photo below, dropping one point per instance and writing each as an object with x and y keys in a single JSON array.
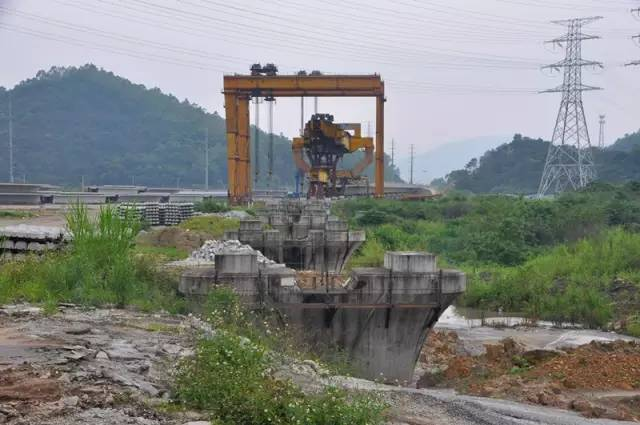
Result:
[
  {"x": 11, "y": 166},
  {"x": 315, "y": 105},
  {"x": 569, "y": 163},
  {"x": 206, "y": 158},
  {"x": 393, "y": 152},
  {"x": 603, "y": 121},
  {"x": 412, "y": 159}
]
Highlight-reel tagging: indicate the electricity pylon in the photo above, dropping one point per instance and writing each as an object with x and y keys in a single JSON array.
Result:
[
  {"x": 603, "y": 121},
  {"x": 569, "y": 164}
]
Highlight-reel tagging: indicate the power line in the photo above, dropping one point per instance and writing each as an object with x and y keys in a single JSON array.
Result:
[{"x": 569, "y": 163}]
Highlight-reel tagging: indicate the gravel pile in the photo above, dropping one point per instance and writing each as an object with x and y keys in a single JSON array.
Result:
[{"x": 210, "y": 249}]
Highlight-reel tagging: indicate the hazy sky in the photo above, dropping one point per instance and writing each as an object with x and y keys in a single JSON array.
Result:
[{"x": 454, "y": 69}]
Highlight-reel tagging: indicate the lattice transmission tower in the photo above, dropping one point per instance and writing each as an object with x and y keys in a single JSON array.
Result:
[
  {"x": 602, "y": 122},
  {"x": 569, "y": 164}
]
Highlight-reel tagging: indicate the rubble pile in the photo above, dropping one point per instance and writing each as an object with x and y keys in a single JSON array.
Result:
[
  {"x": 208, "y": 251},
  {"x": 566, "y": 379}
]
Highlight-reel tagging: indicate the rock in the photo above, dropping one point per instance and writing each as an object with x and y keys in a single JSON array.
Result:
[
  {"x": 102, "y": 356},
  {"x": 71, "y": 401},
  {"x": 581, "y": 405},
  {"x": 81, "y": 330},
  {"x": 198, "y": 423},
  {"x": 540, "y": 355}
]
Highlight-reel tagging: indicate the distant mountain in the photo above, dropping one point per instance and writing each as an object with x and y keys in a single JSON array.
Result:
[
  {"x": 440, "y": 161},
  {"x": 517, "y": 167},
  {"x": 74, "y": 122},
  {"x": 627, "y": 143}
]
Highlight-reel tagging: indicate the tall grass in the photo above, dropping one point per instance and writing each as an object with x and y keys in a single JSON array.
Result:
[
  {"x": 98, "y": 268},
  {"x": 569, "y": 283}
]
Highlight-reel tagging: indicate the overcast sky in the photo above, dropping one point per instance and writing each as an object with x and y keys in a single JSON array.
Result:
[{"x": 454, "y": 69}]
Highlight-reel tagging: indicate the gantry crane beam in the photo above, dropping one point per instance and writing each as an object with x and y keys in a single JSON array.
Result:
[{"x": 238, "y": 89}]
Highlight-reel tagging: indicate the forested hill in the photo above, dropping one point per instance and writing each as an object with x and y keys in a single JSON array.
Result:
[
  {"x": 627, "y": 143},
  {"x": 74, "y": 122},
  {"x": 516, "y": 167}
]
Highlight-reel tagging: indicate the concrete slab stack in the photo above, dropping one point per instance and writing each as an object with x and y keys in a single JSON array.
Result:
[
  {"x": 156, "y": 214},
  {"x": 26, "y": 239}
]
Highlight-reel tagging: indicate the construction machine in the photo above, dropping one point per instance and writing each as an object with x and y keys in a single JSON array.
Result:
[{"x": 325, "y": 143}]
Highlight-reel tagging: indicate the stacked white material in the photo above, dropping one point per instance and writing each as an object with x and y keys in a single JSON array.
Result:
[
  {"x": 208, "y": 251},
  {"x": 24, "y": 238},
  {"x": 157, "y": 214}
]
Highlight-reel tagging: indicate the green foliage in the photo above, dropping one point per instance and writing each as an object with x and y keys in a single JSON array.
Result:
[
  {"x": 517, "y": 167},
  {"x": 212, "y": 225},
  {"x": 72, "y": 122},
  {"x": 211, "y": 206},
  {"x": 98, "y": 269},
  {"x": 569, "y": 283},
  {"x": 229, "y": 377},
  {"x": 548, "y": 259},
  {"x": 15, "y": 214}
]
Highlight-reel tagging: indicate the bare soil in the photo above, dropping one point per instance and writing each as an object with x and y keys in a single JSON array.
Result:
[{"x": 598, "y": 380}]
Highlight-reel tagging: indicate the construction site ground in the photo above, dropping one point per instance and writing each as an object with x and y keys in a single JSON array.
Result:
[{"x": 109, "y": 367}]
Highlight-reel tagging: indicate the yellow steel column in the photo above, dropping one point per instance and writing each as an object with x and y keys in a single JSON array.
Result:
[
  {"x": 379, "y": 190},
  {"x": 231, "y": 112},
  {"x": 244, "y": 148}
]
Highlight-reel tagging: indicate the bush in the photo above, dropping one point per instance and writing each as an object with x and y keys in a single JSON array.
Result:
[
  {"x": 230, "y": 377},
  {"x": 98, "y": 269},
  {"x": 211, "y": 206},
  {"x": 212, "y": 226}
]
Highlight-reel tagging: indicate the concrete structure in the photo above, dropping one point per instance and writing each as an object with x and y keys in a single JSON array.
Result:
[
  {"x": 23, "y": 239},
  {"x": 301, "y": 235},
  {"x": 380, "y": 317}
]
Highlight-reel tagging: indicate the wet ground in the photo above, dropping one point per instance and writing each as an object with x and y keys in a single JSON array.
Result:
[{"x": 474, "y": 335}]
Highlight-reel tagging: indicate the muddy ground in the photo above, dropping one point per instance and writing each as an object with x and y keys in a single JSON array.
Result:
[{"x": 597, "y": 380}]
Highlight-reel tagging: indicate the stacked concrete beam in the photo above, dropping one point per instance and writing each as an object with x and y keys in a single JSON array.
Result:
[{"x": 25, "y": 239}]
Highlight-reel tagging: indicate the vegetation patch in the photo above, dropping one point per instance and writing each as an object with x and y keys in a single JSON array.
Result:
[
  {"x": 98, "y": 269},
  {"x": 230, "y": 377},
  {"x": 16, "y": 214},
  {"x": 211, "y": 225},
  {"x": 572, "y": 259}
]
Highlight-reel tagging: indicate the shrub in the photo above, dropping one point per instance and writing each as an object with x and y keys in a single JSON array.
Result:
[
  {"x": 97, "y": 269},
  {"x": 212, "y": 226},
  {"x": 211, "y": 206},
  {"x": 230, "y": 377}
]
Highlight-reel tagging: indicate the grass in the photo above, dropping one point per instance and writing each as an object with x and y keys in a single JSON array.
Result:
[
  {"x": 230, "y": 376},
  {"x": 551, "y": 259},
  {"x": 98, "y": 269},
  {"x": 211, "y": 206},
  {"x": 161, "y": 253},
  {"x": 16, "y": 214},
  {"x": 211, "y": 225}
]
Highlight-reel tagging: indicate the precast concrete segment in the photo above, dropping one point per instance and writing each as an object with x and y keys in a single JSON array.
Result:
[{"x": 302, "y": 235}]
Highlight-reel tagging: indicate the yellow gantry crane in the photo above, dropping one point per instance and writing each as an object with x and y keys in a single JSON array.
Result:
[
  {"x": 239, "y": 89},
  {"x": 325, "y": 143}
]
